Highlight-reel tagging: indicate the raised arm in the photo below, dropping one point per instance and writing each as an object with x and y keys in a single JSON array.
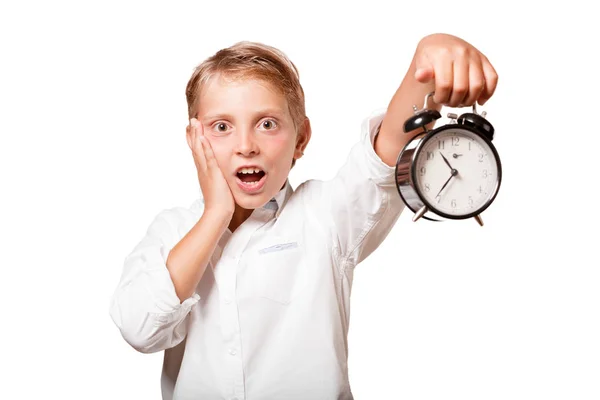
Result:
[{"x": 457, "y": 72}]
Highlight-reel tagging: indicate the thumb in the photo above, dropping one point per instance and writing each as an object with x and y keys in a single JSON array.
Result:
[{"x": 423, "y": 70}]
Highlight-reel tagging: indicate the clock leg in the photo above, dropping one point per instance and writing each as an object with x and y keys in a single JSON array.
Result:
[
  {"x": 420, "y": 213},
  {"x": 478, "y": 219}
]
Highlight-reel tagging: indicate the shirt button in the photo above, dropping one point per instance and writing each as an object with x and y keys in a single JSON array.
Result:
[{"x": 232, "y": 352}]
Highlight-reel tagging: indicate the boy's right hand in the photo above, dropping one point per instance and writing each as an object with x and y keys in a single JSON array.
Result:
[{"x": 217, "y": 194}]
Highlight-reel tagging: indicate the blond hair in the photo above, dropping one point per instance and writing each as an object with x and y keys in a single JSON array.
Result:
[{"x": 251, "y": 60}]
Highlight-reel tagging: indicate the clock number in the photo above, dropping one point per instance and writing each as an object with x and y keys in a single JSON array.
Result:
[
  {"x": 480, "y": 157},
  {"x": 485, "y": 173},
  {"x": 469, "y": 146},
  {"x": 453, "y": 203},
  {"x": 438, "y": 198},
  {"x": 430, "y": 155},
  {"x": 440, "y": 145},
  {"x": 455, "y": 141},
  {"x": 427, "y": 187},
  {"x": 423, "y": 170},
  {"x": 480, "y": 190},
  {"x": 470, "y": 201}
]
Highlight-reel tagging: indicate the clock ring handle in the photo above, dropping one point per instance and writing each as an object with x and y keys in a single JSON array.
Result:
[
  {"x": 430, "y": 94},
  {"x": 427, "y": 96},
  {"x": 483, "y": 114}
]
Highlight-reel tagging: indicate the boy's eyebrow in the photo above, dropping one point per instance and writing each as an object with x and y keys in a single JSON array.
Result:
[{"x": 267, "y": 111}]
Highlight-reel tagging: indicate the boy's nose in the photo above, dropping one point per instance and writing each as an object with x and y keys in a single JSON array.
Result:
[{"x": 246, "y": 144}]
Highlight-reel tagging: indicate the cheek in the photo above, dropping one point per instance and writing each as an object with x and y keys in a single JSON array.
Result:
[
  {"x": 219, "y": 149},
  {"x": 283, "y": 145}
]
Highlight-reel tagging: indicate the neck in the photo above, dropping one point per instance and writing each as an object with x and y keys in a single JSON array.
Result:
[{"x": 239, "y": 216}]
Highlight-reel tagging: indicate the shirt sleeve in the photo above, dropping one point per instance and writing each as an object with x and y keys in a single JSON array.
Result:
[
  {"x": 145, "y": 306},
  {"x": 364, "y": 203}
]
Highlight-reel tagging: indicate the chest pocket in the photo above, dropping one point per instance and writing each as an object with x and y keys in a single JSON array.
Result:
[{"x": 280, "y": 272}]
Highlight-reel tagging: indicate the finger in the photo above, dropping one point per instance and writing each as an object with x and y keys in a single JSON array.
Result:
[
  {"x": 423, "y": 69},
  {"x": 460, "y": 85},
  {"x": 424, "y": 75},
  {"x": 443, "y": 81},
  {"x": 200, "y": 136},
  {"x": 198, "y": 145},
  {"x": 491, "y": 80},
  {"x": 209, "y": 155},
  {"x": 199, "y": 127},
  {"x": 476, "y": 83}
]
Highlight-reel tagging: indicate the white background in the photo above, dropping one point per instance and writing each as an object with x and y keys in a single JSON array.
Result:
[{"x": 92, "y": 119}]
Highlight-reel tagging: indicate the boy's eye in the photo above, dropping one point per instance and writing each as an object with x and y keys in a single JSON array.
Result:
[
  {"x": 269, "y": 124},
  {"x": 221, "y": 127}
]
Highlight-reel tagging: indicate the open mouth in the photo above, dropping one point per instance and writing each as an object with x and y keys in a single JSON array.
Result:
[
  {"x": 250, "y": 175},
  {"x": 251, "y": 179}
]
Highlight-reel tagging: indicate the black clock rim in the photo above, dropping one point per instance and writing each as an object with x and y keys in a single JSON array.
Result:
[{"x": 417, "y": 151}]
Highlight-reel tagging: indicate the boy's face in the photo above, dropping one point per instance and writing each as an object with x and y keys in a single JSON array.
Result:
[{"x": 252, "y": 134}]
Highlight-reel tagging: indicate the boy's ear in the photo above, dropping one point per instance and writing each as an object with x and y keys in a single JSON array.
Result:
[
  {"x": 188, "y": 136},
  {"x": 302, "y": 139}
]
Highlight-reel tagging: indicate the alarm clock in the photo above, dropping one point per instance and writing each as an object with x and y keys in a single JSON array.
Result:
[{"x": 452, "y": 172}]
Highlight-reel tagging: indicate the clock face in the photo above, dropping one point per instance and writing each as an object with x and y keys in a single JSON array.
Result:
[{"x": 457, "y": 173}]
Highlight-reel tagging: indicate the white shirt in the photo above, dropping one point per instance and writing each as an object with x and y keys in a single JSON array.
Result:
[{"x": 269, "y": 318}]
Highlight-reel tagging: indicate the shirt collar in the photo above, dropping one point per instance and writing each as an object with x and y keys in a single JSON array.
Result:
[{"x": 278, "y": 202}]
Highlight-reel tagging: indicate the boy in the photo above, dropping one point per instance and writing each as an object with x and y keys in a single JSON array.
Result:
[{"x": 248, "y": 290}]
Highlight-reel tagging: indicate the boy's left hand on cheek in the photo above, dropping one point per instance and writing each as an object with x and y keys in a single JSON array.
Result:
[{"x": 459, "y": 73}]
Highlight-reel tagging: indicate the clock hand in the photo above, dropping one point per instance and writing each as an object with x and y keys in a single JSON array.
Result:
[
  {"x": 446, "y": 161},
  {"x": 452, "y": 175},
  {"x": 456, "y": 155}
]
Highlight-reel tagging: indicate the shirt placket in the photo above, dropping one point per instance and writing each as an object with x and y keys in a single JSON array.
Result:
[{"x": 226, "y": 277}]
